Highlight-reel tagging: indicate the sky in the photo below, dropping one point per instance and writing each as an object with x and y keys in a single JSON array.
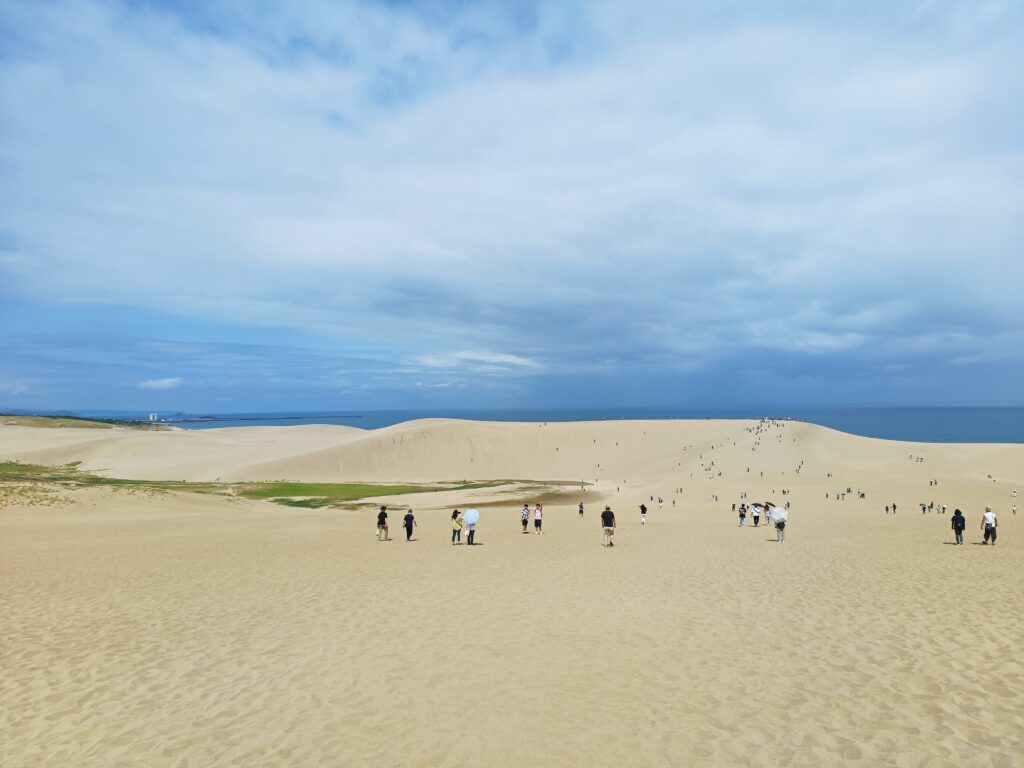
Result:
[{"x": 241, "y": 206}]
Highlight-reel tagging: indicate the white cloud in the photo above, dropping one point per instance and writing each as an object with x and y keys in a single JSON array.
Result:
[
  {"x": 12, "y": 386},
  {"x": 596, "y": 177},
  {"x": 490, "y": 360},
  {"x": 516, "y": 361},
  {"x": 172, "y": 383}
]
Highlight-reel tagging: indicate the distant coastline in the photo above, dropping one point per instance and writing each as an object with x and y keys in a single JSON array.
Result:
[{"x": 940, "y": 424}]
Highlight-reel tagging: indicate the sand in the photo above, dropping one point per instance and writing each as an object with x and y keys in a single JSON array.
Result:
[{"x": 187, "y": 630}]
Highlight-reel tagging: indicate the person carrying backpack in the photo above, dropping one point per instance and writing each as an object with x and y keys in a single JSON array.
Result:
[{"x": 958, "y": 523}]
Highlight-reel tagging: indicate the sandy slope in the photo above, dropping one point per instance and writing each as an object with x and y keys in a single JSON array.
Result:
[{"x": 181, "y": 630}]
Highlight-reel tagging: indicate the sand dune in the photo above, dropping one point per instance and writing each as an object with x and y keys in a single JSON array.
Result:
[
  {"x": 607, "y": 453},
  {"x": 183, "y": 630}
]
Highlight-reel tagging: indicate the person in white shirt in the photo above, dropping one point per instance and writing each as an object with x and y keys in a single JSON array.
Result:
[{"x": 989, "y": 525}]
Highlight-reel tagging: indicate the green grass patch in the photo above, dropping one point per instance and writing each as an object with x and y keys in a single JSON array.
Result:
[
  {"x": 305, "y": 503},
  {"x": 305, "y": 495},
  {"x": 77, "y": 422},
  {"x": 317, "y": 495},
  {"x": 17, "y": 468},
  {"x": 334, "y": 491},
  {"x": 13, "y": 471}
]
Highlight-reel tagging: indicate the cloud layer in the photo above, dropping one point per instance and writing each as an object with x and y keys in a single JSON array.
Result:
[
  {"x": 546, "y": 201},
  {"x": 169, "y": 383}
]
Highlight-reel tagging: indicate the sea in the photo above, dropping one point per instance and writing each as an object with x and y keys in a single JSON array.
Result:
[{"x": 931, "y": 424}]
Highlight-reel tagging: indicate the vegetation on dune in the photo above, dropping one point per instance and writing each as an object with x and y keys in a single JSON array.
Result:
[
  {"x": 12, "y": 468},
  {"x": 335, "y": 491},
  {"x": 307, "y": 495},
  {"x": 316, "y": 495},
  {"x": 76, "y": 422},
  {"x": 317, "y": 503},
  {"x": 68, "y": 474}
]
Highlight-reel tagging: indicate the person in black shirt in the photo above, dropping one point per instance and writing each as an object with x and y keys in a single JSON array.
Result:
[
  {"x": 608, "y": 526},
  {"x": 643, "y": 514},
  {"x": 958, "y": 523},
  {"x": 382, "y": 524},
  {"x": 410, "y": 521}
]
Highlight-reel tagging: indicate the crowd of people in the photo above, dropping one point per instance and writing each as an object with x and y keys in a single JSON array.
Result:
[
  {"x": 460, "y": 523},
  {"x": 776, "y": 515},
  {"x": 767, "y": 512}
]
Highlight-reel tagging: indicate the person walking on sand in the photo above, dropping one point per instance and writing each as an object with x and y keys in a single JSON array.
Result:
[
  {"x": 382, "y": 524},
  {"x": 538, "y": 519},
  {"x": 608, "y": 526},
  {"x": 743, "y": 515},
  {"x": 958, "y": 523},
  {"x": 581, "y": 509},
  {"x": 525, "y": 517},
  {"x": 410, "y": 523},
  {"x": 456, "y": 527},
  {"x": 643, "y": 514},
  {"x": 756, "y": 515},
  {"x": 989, "y": 525},
  {"x": 780, "y": 524}
]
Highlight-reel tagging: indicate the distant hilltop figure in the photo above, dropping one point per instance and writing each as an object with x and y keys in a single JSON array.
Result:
[{"x": 154, "y": 417}]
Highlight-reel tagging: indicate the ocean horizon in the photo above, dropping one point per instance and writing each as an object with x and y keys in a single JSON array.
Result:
[{"x": 939, "y": 424}]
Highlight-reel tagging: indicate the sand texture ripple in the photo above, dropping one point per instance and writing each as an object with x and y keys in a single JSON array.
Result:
[{"x": 186, "y": 630}]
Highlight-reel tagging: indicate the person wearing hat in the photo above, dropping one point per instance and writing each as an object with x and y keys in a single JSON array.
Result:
[{"x": 608, "y": 525}]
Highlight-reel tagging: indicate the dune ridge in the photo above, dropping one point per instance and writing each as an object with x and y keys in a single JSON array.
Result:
[{"x": 432, "y": 449}]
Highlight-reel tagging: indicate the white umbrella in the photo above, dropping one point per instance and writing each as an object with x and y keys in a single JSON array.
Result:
[
  {"x": 471, "y": 516},
  {"x": 779, "y": 514}
]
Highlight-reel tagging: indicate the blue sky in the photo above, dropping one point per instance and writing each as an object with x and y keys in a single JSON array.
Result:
[{"x": 331, "y": 205}]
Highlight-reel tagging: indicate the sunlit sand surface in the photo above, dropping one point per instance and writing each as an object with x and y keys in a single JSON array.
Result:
[{"x": 185, "y": 630}]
